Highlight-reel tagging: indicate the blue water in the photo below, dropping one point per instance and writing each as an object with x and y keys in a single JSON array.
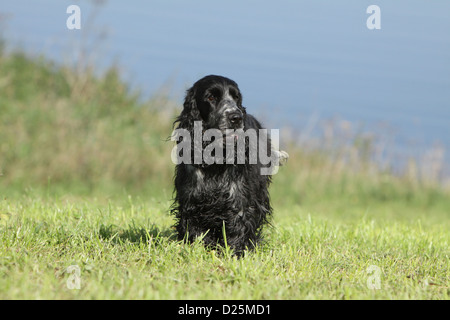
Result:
[{"x": 294, "y": 60}]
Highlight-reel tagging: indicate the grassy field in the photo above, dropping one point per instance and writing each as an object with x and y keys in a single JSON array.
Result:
[
  {"x": 128, "y": 251},
  {"x": 86, "y": 186}
]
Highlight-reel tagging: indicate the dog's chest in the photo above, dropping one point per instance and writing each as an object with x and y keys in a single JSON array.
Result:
[{"x": 223, "y": 188}]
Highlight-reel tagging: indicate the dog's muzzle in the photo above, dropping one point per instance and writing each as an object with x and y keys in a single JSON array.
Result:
[
  {"x": 235, "y": 119},
  {"x": 232, "y": 115}
]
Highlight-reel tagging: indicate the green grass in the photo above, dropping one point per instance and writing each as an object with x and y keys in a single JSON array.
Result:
[
  {"x": 128, "y": 251},
  {"x": 86, "y": 181}
]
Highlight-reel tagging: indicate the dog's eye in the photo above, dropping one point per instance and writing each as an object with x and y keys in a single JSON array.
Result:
[
  {"x": 235, "y": 95},
  {"x": 211, "y": 98}
]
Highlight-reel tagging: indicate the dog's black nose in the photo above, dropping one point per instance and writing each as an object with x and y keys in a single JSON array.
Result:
[{"x": 235, "y": 118}]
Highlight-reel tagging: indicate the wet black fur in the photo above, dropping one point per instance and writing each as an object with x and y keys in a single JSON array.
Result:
[{"x": 211, "y": 199}]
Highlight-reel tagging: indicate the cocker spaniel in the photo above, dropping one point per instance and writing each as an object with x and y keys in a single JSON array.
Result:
[{"x": 224, "y": 162}]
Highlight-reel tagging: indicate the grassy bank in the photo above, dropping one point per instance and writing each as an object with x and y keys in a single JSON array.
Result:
[
  {"x": 86, "y": 181},
  {"x": 75, "y": 131}
]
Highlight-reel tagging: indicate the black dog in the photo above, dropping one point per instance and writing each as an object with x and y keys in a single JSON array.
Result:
[{"x": 220, "y": 200}]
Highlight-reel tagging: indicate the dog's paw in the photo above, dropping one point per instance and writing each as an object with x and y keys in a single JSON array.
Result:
[{"x": 284, "y": 156}]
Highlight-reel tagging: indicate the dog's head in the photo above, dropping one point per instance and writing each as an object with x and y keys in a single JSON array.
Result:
[{"x": 216, "y": 101}]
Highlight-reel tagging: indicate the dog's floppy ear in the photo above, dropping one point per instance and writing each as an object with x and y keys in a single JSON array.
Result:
[
  {"x": 190, "y": 111},
  {"x": 239, "y": 102},
  {"x": 244, "y": 110}
]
